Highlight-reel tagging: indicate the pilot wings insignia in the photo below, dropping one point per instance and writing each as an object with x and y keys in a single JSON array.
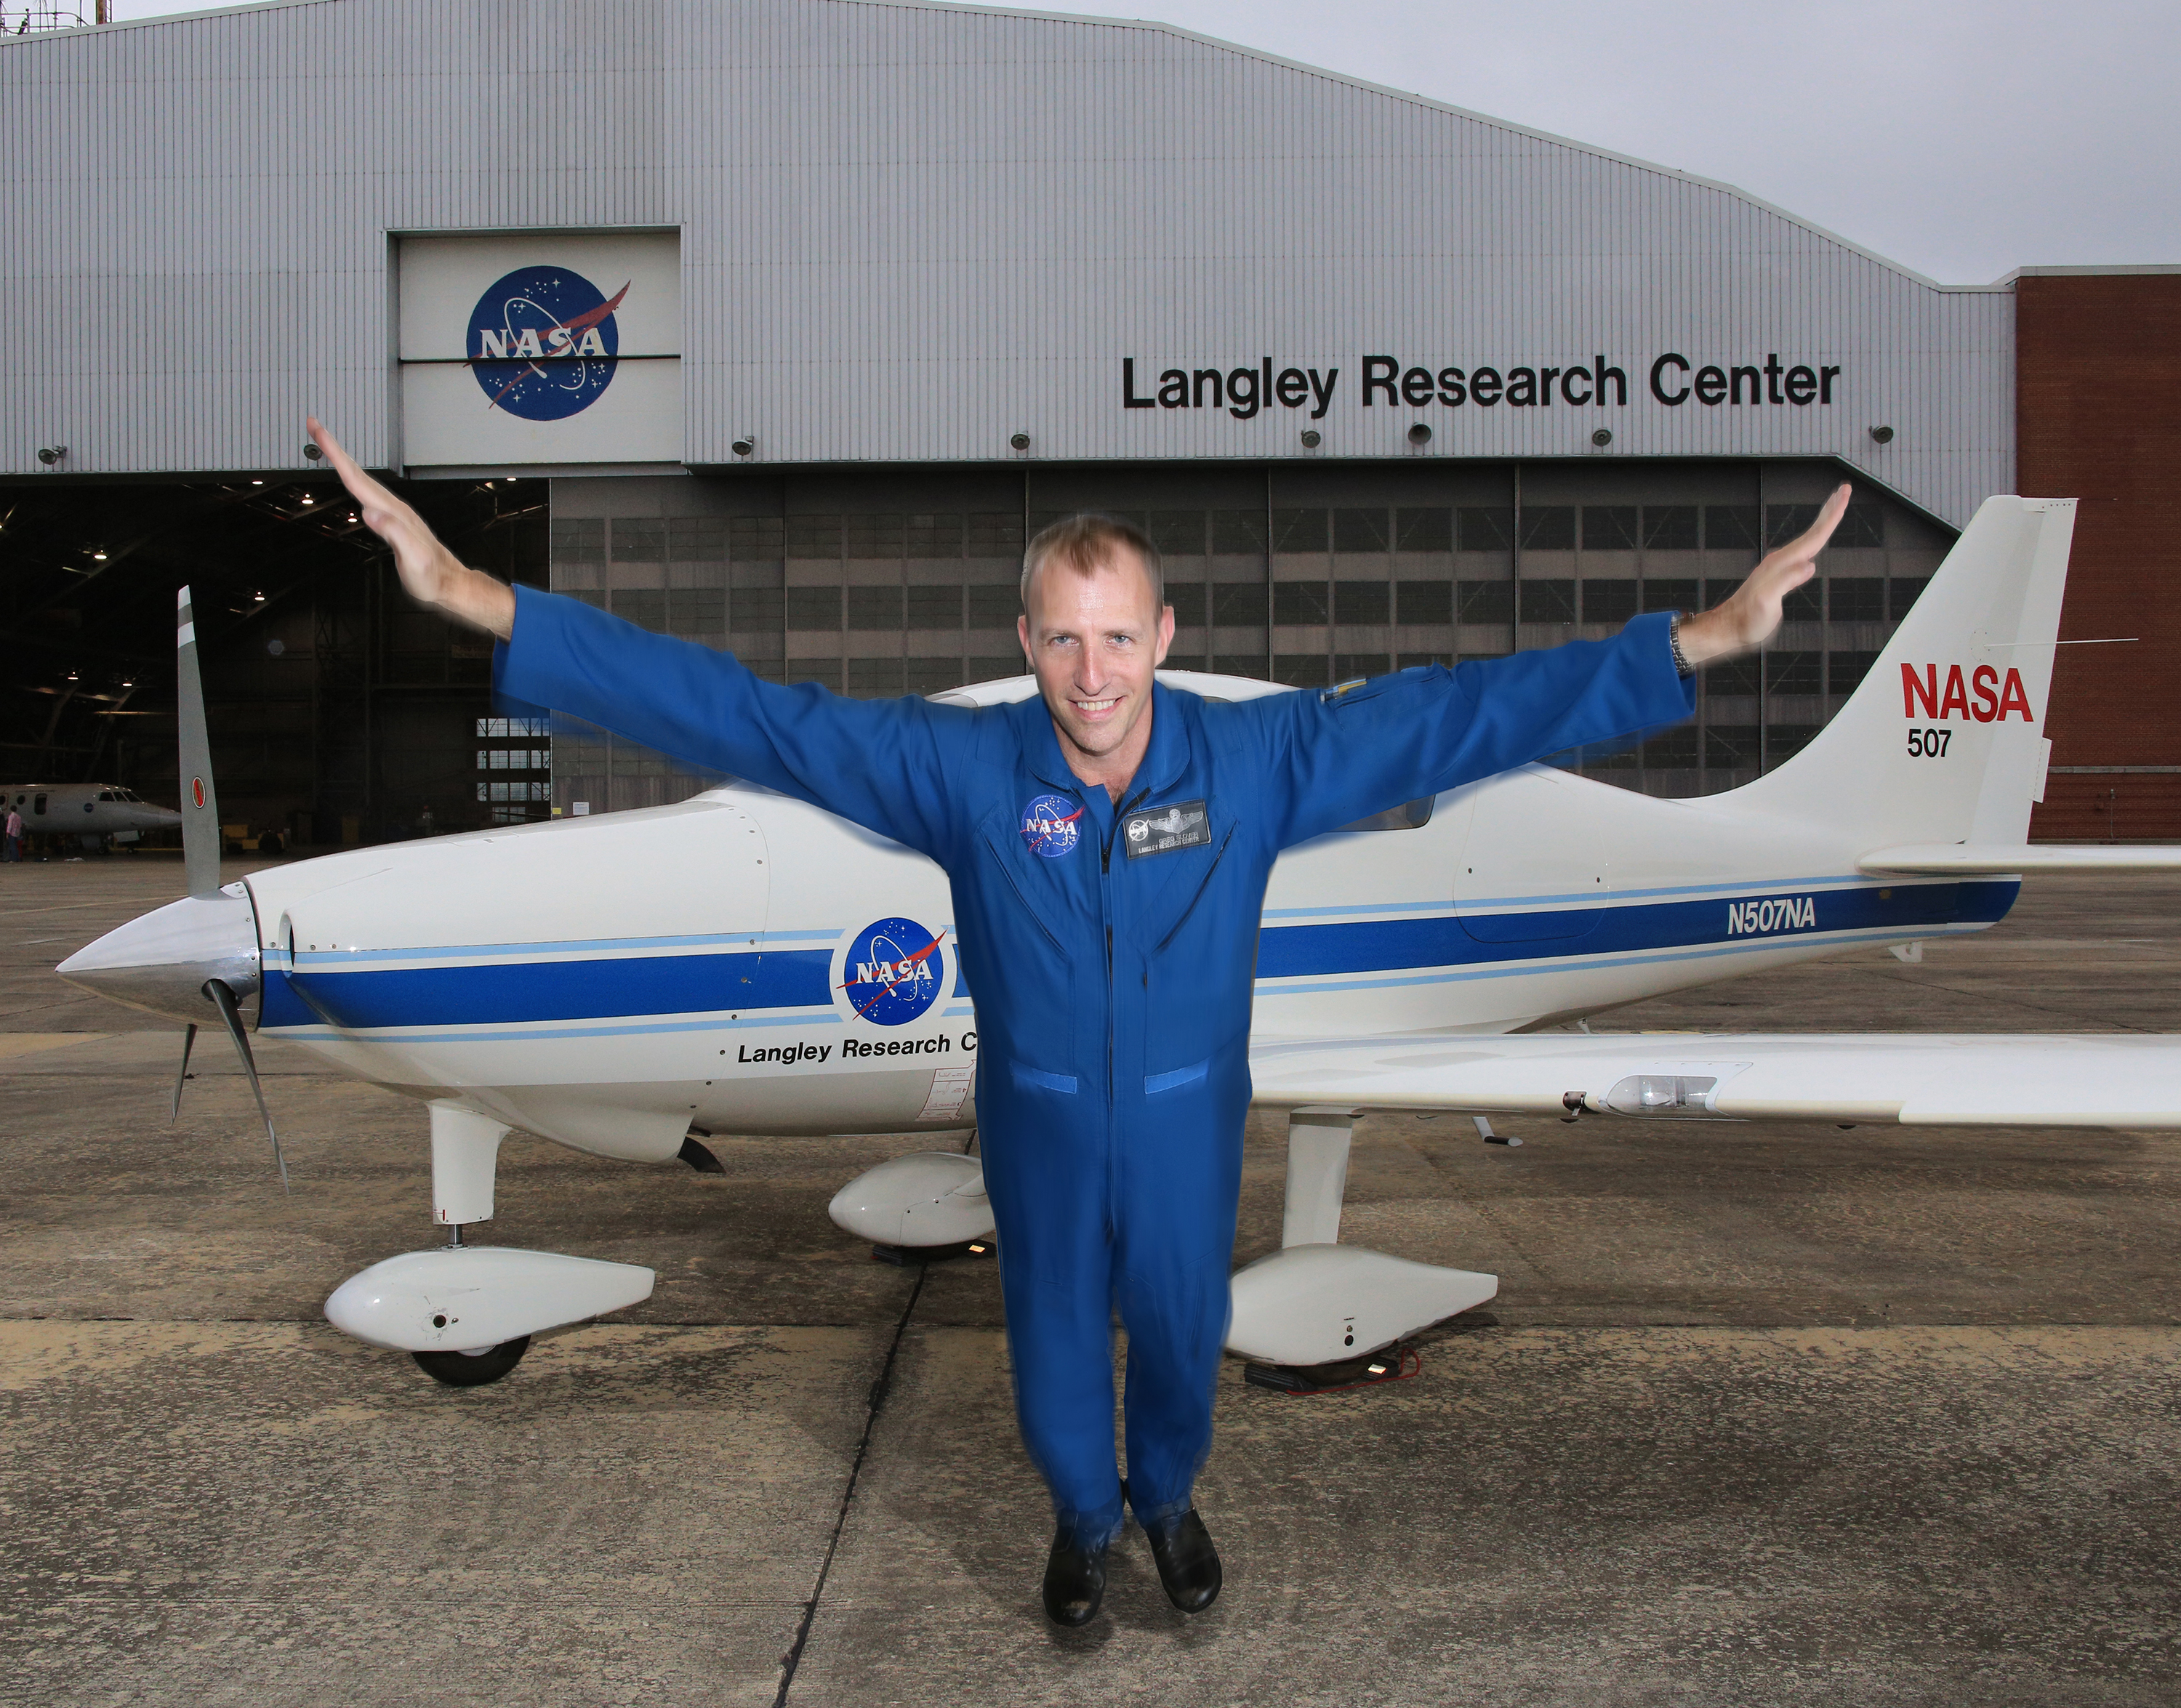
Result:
[{"x": 1163, "y": 829}]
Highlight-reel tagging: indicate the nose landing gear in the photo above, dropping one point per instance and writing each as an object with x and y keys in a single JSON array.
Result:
[{"x": 467, "y": 1313}]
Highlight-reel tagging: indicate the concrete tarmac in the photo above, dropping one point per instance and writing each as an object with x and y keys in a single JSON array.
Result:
[{"x": 1762, "y": 1413}]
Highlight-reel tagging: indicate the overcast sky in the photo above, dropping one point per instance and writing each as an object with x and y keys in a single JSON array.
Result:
[{"x": 1962, "y": 138}]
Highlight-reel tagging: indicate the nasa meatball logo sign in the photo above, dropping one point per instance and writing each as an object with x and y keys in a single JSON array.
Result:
[
  {"x": 542, "y": 342},
  {"x": 893, "y": 971}
]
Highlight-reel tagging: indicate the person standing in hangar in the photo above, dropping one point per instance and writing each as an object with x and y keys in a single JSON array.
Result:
[{"x": 1108, "y": 843}]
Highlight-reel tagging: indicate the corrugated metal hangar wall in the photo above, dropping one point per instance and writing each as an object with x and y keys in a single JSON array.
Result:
[
  {"x": 908, "y": 232},
  {"x": 850, "y": 296}
]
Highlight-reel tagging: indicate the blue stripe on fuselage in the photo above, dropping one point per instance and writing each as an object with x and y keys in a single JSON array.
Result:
[
  {"x": 1379, "y": 945},
  {"x": 611, "y": 987},
  {"x": 551, "y": 990}
]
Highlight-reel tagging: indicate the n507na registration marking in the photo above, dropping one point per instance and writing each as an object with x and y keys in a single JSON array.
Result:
[{"x": 1779, "y": 914}]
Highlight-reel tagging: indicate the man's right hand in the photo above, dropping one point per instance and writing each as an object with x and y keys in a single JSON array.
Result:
[{"x": 431, "y": 573}]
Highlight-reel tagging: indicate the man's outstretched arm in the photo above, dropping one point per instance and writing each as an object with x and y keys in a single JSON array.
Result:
[
  {"x": 886, "y": 765},
  {"x": 1341, "y": 756},
  {"x": 433, "y": 574}
]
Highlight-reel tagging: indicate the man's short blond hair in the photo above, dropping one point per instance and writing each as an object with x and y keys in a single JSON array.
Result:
[{"x": 1084, "y": 543}]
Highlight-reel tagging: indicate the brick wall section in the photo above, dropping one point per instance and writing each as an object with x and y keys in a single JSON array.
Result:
[{"x": 2098, "y": 418}]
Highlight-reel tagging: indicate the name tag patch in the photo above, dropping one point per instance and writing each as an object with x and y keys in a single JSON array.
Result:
[{"x": 1163, "y": 829}]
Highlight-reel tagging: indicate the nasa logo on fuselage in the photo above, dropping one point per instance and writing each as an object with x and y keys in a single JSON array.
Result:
[
  {"x": 1051, "y": 825},
  {"x": 544, "y": 343},
  {"x": 894, "y": 970}
]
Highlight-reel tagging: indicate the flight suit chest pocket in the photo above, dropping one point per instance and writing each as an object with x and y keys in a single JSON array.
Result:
[
  {"x": 1048, "y": 889},
  {"x": 1175, "y": 884}
]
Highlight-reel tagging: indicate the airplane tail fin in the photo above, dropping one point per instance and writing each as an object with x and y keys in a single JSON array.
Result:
[{"x": 1944, "y": 741}]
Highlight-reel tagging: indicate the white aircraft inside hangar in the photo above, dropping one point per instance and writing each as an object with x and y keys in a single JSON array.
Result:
[
  {"x": 85, "y": 810},
  {"x": 741, "y": 962}
]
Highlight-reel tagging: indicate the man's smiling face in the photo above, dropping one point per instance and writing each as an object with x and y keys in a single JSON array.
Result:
[{"x": 1094, "y": 641}]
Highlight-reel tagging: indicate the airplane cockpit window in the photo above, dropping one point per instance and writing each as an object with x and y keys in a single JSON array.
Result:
[
  {"x": 106, "y": 794},
  {"x": 1410, "y": 815}
]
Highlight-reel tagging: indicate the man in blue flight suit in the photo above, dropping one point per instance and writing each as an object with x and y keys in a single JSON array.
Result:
[{"x": 1108, "y": 844}]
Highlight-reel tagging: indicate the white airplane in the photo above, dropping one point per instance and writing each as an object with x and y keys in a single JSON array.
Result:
[
  {"x": 743, "y": 963},
  {"x": 93, "y": 810}
]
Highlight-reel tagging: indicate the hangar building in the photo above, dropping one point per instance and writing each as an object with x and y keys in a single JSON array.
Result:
[{"x": 781, "y": 323}]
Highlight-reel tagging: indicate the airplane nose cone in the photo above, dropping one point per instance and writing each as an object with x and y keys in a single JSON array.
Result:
[{"x": 160, "y": 961}]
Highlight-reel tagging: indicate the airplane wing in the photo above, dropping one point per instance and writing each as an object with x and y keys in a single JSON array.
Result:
[{"x": 2097, "y": 1081}]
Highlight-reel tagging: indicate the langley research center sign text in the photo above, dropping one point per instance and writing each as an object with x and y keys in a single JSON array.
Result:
[{"x": 1674, "y": 380}]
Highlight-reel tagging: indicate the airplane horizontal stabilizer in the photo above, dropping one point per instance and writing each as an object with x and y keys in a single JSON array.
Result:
[
  {"x": 2102, "y": 1081},
  {"x": 1968, "y": 859}
]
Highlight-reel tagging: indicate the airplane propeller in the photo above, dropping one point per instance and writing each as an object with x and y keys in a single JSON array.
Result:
[
  {"x": 201, "y": 850},
  {"x": 223, "y": 999},
  {"x": 182, "y": 1073}
]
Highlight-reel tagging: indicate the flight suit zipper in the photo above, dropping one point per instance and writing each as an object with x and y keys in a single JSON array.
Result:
[{"x": 1106, "y": 903}]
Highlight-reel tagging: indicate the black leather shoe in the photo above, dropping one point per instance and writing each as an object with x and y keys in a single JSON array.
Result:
[
  {"x": 1188, "y": 1564},
  {"x": 1074, "y": 1580}
]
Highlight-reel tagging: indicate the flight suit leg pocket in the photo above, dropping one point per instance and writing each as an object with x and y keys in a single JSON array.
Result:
[
  {"x": 1157, "y": 1084},
  {"x": 1027, "y": 1079}
]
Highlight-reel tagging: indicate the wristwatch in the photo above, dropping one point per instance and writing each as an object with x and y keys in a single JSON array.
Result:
[{"x": 1674, "y": 640}]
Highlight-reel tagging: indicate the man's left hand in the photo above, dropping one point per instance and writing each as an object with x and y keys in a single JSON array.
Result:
[{"x": 1749, "y": 616}]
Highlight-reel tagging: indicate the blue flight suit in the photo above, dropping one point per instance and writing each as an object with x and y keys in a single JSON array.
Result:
[{"x": 1112, "y": 987}]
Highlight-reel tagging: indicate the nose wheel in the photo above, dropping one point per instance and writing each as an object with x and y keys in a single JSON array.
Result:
[{"x": 473, "y": 1369}]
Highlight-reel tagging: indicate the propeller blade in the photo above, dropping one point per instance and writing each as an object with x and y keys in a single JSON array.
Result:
[
  {"x": 223, "y": 1000},
  {"x": 199, "y": 805},
  {"x": 189, "y": 1037}
]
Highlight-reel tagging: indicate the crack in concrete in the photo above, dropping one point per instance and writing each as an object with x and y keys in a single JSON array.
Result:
[{"x": 793, "y": 1660}]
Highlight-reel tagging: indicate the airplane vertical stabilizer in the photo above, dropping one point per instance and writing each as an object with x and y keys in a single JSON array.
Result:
[{"x": 1944, "y": 741}]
